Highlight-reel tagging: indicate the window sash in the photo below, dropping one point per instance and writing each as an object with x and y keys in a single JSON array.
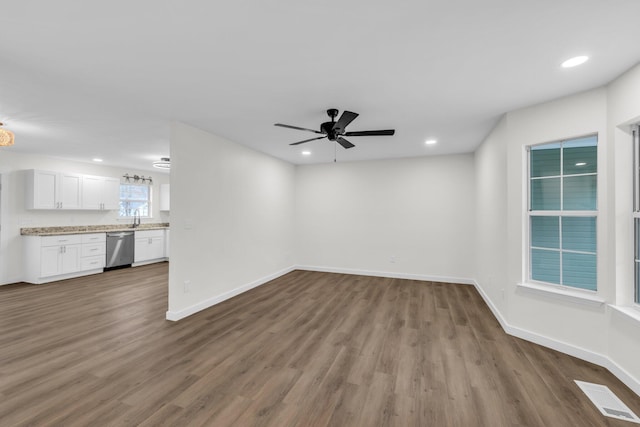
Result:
[
  {"x": 130, "y": 201},
  {"x": 570, "y": 267}
]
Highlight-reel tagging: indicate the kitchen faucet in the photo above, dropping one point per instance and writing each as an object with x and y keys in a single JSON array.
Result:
[{"x": 136, "y": 218}]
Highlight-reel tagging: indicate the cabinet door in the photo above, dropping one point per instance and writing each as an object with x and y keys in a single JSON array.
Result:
[
  {"x": 141, "y": 250},
  {"x": 70, "y": 191},
  {"x": 70, "y": 259},
  {"x": 92, "y": 192},
  {"x": 44, "y": 190},
  {"x": 111, "y": 194},
  {"x": 50, "y": 260},
  {"x": 165, "y": 197},
  {"x": 156, "y": 248}
]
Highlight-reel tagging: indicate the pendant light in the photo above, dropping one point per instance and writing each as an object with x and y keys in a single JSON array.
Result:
[{"x": 6, "y": 137}]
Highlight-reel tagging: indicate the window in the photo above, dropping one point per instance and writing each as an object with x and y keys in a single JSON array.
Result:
[
  {"x": 135, "y": 197},
  {"x": 563, "y": 212},
  {"x": 636, "y": 211}
]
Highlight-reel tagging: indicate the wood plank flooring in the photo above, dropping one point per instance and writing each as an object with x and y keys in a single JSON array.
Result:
[{"x": 307, "y": 349}]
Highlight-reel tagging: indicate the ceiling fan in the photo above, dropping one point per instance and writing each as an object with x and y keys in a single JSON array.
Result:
[{"x": 335, "y": 131}]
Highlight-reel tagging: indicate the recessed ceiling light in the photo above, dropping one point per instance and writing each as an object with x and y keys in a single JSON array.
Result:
[
  {"x": 97, "y": 160},
  {"x": 575, "y": 61},
  {"x": 306, "y": 153},
  {"x": 430, "y": 141},
  {"x": 581, "y": 164}
]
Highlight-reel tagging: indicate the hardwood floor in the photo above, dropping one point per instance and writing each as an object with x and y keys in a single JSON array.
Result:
[{"x": 307, "y": 349}]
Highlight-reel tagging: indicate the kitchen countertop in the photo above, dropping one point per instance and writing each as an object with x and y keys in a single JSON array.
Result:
[{"x": 85, "y": 229}]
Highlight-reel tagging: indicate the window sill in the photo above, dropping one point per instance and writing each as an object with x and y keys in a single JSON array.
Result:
[
  {"x": 562, "y": 294},
  {"x": 629, "y": 312}
]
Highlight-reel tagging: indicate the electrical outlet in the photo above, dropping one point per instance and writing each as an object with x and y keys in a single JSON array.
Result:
[
  {"x": 392, "y": 259},
  {"x": 187, "y": 286}
]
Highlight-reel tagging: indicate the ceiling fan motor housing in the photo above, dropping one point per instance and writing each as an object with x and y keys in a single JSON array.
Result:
[{"x": 327, "y": 127}]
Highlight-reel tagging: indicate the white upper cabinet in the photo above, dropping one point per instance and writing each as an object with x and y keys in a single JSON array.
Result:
[
  {"x": 100, "y": 193},
  {"x": 70, "y": 196},
  {"x": 165, "y": 197},
  {"x": 53, "y": 190},
  {"x": 61, "y": 190}
]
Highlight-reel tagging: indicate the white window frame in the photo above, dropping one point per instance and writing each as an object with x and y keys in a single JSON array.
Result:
[
  {"x": 558, "y": 213},
  {"x": 636, "y": 208},
  {"x": 149, "y": 202}
]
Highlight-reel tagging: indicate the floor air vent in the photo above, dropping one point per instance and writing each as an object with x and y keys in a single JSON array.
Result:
[{"x": 607, "y": 402}]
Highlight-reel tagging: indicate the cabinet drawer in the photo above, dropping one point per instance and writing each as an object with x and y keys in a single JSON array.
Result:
[
  {"x": 94, "y": 238},
  {"x": 93, "y": 249},
  {"x": 91, "y": 263},
  {"x": 144, "y": 234},
  {"x": 66, "y": 239}
]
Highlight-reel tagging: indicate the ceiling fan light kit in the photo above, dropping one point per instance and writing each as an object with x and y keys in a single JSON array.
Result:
[{"x": 336, "y": 131}]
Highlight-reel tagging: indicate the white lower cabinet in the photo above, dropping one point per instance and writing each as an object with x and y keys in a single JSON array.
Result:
[
  {"x": 59, "y": 259},
  {"x": 49, "y": 258},
  {"x": 149, "y": 246}
]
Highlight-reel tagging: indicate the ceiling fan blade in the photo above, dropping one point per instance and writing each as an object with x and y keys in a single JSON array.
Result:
[
  {"x": 298, "y": 128},
  {"x": 371, "y": 132},
  {"x": 346, "y": 144},
  {"x": 307, "y": 140},
  {"x": 346, "y": 118}
]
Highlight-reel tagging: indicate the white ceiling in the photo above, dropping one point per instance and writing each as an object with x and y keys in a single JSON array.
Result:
[{"x": 83, "y": 79}]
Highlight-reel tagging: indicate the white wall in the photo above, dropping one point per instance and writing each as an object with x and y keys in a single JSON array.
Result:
[
  {"x": 403, "y": 218},
  {"x": 623, "y": 108},
  {"x": 14, "y": 215},
  {"x": 577, "y": 115},
  {"x": 598, "y": 333},
  {"x": 491, "y": 216},
  {"x": 232, "y": 219}
]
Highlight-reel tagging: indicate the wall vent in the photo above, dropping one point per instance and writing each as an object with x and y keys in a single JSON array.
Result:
[{"x": 607, "y": 403}]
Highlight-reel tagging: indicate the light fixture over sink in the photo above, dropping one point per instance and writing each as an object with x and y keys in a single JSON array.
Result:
[{"x": 163, "y": 163}]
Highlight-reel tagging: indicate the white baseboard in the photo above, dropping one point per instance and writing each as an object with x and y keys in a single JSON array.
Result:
[
  {"x": 186, "y": 312},
  {"x": 390, "y": 274},
  {"x": 571, "y": 350}
]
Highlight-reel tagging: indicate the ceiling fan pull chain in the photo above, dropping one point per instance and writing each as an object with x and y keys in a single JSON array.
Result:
[{"x": 334, "y": 151}]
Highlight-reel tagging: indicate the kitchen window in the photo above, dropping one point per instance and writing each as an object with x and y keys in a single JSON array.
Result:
[
  {"x": 135, "y": 199},
  {"x": 563, "y": 212}
]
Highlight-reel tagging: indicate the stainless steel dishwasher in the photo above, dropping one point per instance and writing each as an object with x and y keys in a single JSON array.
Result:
[{"x": 120, "y": 249}]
